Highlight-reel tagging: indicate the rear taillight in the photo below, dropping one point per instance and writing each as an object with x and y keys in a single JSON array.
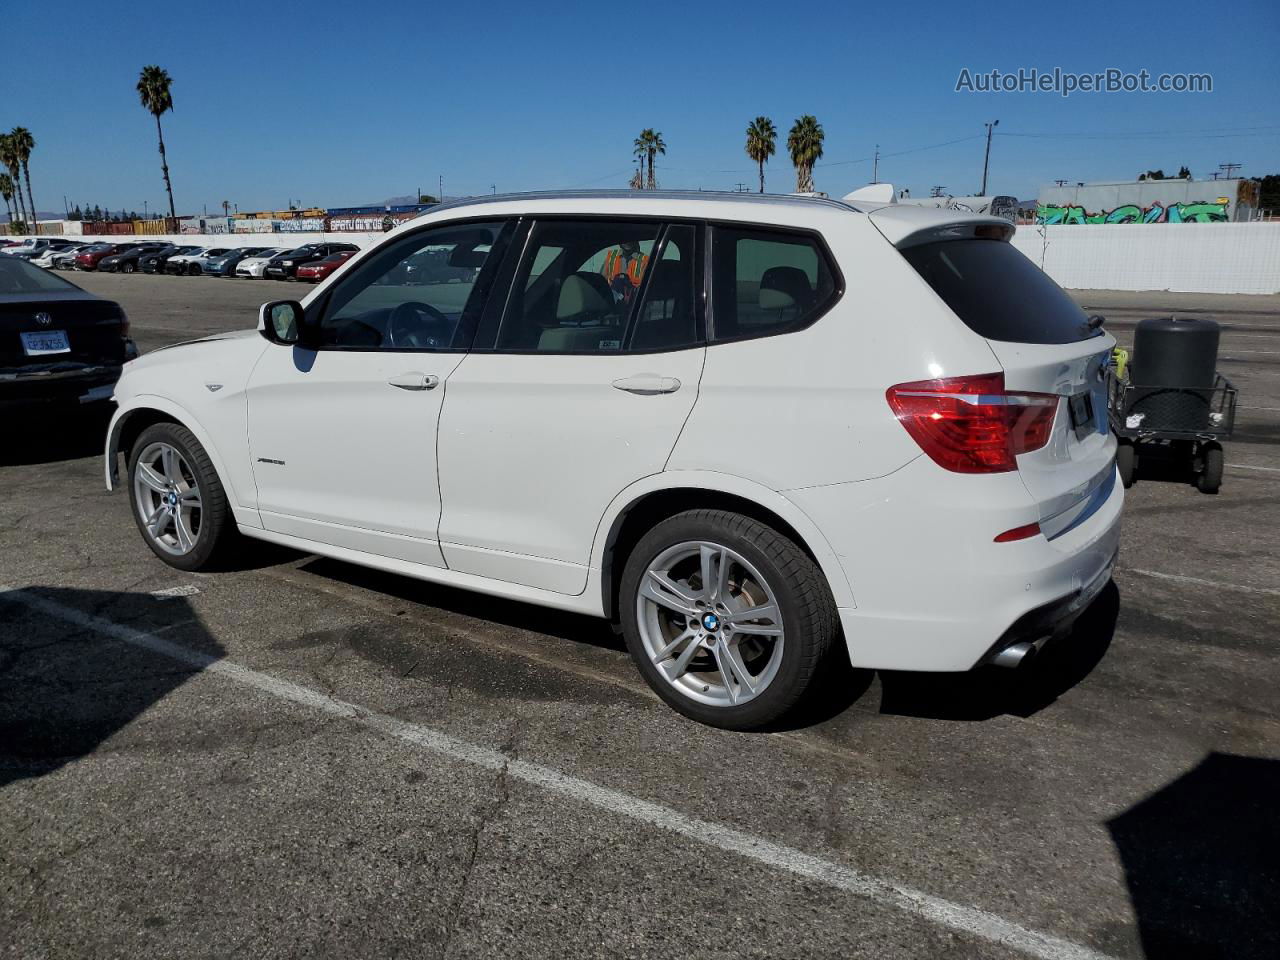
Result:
[{"x": 972, "y": 424}]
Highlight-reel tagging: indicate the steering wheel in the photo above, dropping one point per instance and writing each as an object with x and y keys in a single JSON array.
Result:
[{"x": 414, "y": 324}]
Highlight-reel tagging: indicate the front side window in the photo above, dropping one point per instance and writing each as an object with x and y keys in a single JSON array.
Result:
[
  {"x": 576, "y": 286},
  {"x": 423, "y": 292},
  {"x": 767, "y": 282}
]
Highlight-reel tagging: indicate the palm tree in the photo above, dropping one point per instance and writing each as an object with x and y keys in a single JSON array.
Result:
[
  {"x": 6, "y": 191},
  {"x": 648, "y": 145},
  {"x": 762, "y": 140},
  {"x": 805, "y": 144},
  {"x": 153, "y": 90},
  {"x": 9, "y": 160},
  {"x": 23, "y": 143}
]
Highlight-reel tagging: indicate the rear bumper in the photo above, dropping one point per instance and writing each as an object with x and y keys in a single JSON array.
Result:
[
  {"x": 86, "y": 385},
  {"x": 933, "y": 592}
]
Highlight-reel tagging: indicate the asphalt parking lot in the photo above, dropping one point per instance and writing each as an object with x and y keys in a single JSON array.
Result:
[{"x": 303, "y": 758}]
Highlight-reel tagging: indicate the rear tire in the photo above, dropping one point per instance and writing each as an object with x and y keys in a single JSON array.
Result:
[
  {"x": 126, "y": 268},
  {"x": 751, "y": 567},
  {"x": 194, "y": 270},
  {"x": 1127, "y": 462},
  {"x": 170, "y": 472},
  {"x": 1210, "y": 478}
]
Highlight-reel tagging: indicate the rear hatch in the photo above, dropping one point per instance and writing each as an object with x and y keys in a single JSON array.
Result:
[{"x": 1043, "y": 343}]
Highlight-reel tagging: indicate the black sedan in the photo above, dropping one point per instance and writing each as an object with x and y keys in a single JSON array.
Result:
[
  {"x": 285, "y": 266},
  {"x": 57, "y": 342},
  {"x": 155, "y": 261},
  {"x": 126, "y": 261}
]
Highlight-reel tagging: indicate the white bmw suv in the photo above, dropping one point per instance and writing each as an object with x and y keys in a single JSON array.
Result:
[{"x": 751, "y": 430}]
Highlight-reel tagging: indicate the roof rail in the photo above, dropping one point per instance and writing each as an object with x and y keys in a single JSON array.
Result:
[{"x": 714, "y": 195}]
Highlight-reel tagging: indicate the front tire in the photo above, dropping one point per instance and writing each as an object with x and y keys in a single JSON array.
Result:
[
  {"x": 178, "y": 501},
  {"x": 726, "y": 618}
]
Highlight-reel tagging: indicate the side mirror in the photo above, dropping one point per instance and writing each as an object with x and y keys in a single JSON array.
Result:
[{"x": 281, "y": 321}]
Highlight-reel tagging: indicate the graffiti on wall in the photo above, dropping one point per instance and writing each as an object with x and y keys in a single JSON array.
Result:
[{"x": 1197, "y": 212}]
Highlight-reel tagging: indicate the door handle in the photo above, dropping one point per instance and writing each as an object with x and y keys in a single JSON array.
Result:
[
  {"x": 647, "y": 384},
  {"x": 415, "y": 381}
]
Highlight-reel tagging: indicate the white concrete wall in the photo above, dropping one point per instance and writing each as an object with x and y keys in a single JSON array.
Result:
[
  {"x": 1179, "y": 257},
  {"x": 361, "y": 240}
]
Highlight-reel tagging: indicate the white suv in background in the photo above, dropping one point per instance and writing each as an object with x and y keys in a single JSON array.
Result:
[{"x": 751, "y": 429}]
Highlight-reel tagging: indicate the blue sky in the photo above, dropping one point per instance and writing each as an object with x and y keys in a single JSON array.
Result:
[{"x": 342, "y": 103}]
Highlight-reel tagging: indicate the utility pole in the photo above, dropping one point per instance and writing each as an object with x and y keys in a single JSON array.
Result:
[
  {"x": 440, "y": 189},
  {"x": 936, "y": 191},
  {"x": 986, "y": 161},
  {"x": 1229, "y": 168},
  {"x": 144, "y": 211},
  {"x": 1061, "y": 183},
  {"x": 875, "y": 166}
]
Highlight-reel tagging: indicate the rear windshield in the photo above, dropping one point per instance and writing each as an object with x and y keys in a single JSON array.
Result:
[
  {"x": 999, "y": 293},
  {"x": 18, "y": 276}
]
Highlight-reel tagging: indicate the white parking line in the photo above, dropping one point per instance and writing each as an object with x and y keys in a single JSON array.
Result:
[
  {"x": 1216, "y": 584},
  {"x": 1249, "y": 466},
  {"x": 956, "y": 916},
  {"x": 187, "y": 590}
]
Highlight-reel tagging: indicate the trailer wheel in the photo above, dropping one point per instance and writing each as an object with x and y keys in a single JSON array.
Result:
[
  {"x": 1127, "y": 462},
  {"x": 1210, "y": 477}
]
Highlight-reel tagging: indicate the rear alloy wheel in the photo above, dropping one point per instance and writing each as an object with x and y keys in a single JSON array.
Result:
[
  {"x": 126, "y": 267},
  {"x": 726, "y": 618},
  {"x": 178, "y": 501},
  {"x": 193, "y": 270}
]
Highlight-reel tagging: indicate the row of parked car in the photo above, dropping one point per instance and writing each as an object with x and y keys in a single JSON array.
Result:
[{"x": 311, "y": 262}]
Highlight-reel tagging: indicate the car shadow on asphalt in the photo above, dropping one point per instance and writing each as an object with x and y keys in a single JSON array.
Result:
[
  {"x": 989, "y": 692},
  {"x": 575, "y": 627},
  {"x": 65, "y": 689},
  {"x": 1202, "y": 860},
  {"x": 48, "y": 433}
]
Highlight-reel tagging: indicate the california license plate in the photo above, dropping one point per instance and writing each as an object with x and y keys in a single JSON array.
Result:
[{"x": 45, "y": 341}]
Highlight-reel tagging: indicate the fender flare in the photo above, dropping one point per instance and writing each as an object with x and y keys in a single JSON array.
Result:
[
  {"x": 814, "y": 539},
  {"x": 173, "y": 411}
]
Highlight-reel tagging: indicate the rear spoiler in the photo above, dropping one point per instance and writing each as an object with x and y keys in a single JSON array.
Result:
[
  {"x": 908, "y": 224},
  {"x": 905, "y": 226}
]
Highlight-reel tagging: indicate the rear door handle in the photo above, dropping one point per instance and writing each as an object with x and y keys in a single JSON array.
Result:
[
  {"x": 647, "y": 384},
  {"x": 415, "y": 381}
]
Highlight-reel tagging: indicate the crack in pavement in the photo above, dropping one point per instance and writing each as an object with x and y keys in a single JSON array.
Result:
[{"x": 487, "y": 814}]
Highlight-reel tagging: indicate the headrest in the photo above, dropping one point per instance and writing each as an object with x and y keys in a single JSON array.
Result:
[
  {"x": 578, "y": 297},
  {"x": 782, "y": 287}
]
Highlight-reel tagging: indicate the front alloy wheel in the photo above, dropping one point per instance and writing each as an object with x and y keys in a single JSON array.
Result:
[
  {"x": 178, "y": 500},
  {"x": 167, "y": 496}
]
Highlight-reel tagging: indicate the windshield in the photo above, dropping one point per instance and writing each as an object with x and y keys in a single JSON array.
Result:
[
  {"x": 998, "y": 293},
  {"x": 18, "y": 276}
]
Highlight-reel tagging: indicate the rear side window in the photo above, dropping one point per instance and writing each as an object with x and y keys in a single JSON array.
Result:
[
  {"x": 999, "y": 293},
  {"x": 767, "y": 282}
]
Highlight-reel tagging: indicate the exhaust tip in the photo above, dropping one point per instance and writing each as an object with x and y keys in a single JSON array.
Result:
[{"x": 1015, "y": 655}]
